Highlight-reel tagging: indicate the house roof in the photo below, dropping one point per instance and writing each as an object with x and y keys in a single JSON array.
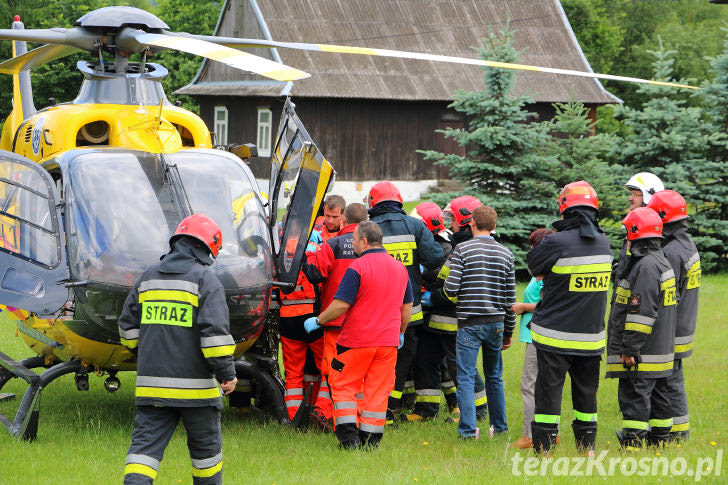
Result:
[{"x": 445, "y": 27}]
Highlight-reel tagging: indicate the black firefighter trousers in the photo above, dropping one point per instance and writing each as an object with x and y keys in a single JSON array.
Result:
[
  {"x": 552, "y": 370},
  {"x": 153, "y": 427}
]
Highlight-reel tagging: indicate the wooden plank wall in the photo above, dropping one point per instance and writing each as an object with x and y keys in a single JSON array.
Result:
[{"x": 363, "y": 139}]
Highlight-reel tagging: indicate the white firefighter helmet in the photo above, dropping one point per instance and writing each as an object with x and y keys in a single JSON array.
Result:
[{"x": 648, "y": 183}]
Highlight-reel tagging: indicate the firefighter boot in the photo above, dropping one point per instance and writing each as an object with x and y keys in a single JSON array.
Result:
[
  {"x": 481, "y": 412},
  {"x": 658, "y": 436},
  {"x": 348, "y": 436},
  {"x": 452, "y": 401},
  {"x": 585, "y": 434},
  {"x": 631, "y": 439},
  {"x": 544, "y": 436},
  {"x": 679, "y": 436},
  {"x": 369, "y": 440}
]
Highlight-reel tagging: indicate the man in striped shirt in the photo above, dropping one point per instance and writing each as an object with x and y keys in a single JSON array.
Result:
[{"x": 482, "y": 279}]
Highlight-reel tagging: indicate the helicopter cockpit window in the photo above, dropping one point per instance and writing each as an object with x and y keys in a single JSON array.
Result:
[
  {"x": 26, "y": 225},
  {"x": 287, "y": 160},
  {"x": 121, "y": 210},
  {"x": 217, "y": 185}
]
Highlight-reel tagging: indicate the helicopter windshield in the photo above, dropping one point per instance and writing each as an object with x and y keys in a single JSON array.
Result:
[
  {"x": 121, "y": 209},
  {"x": 217, "y": 185}
]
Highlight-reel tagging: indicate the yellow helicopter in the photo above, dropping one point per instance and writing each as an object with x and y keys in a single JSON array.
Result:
[{"x": 90, "y": 191}]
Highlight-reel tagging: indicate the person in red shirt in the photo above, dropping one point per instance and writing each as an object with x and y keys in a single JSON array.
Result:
[
  {"x": 327, "y": 266},
  {"x": 376, "y": 296}
]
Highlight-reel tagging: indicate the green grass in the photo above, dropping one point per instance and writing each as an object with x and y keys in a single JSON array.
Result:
[{"x": 83, "y": 437}]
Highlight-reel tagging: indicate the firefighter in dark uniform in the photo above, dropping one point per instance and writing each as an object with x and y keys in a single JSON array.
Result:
[
  {"x": 640, "y": 348},
  {"x": 642, "y": 186},
  {"x": 567, "y": 327},
  {"x": 177, "y": 323},
  {"x": 681, "y": 252},
  {"x": 408, "y": 241}
]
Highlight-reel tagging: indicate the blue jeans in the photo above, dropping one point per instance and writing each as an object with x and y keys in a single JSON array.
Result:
[{"x": 469, "y": 341}]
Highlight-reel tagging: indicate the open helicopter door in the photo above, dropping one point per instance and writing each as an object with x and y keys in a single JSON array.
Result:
[
  {"x": 32, "y": 258},
  {"x": 300, "y": 176}
]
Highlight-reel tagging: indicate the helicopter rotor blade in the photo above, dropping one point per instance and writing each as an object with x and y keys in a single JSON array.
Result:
[
  {"x": 36, "y": 57},
  {"x": 344, "y": 49},
  {"x": 136, "y": 40},
  {"x": 79, "y": 38}
]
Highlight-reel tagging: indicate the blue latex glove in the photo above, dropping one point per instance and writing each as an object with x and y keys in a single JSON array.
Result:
[
  {"x": 422, "y": 269},
  {"x": 426, "y": 299},
  {"x": 316, "y": 237},
  {"x": 311, "y": 324},
  {"x": 401, "y": 341},
  {"x": 311, "y": 247}
]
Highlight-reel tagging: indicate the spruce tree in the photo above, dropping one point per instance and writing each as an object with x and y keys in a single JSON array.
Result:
[
  {"x": 580, "y": 155},
  {"x": 505, "y": 165},
  {"x": 687, "y": 151}
]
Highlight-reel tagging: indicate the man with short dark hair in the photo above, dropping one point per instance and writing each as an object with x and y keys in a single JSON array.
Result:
[
  {"x": 327, "y": 266},
  {"x": 334, "y": 206},
  {"x": 482, "y": 277},
  {"x": 376, "y": 295}
]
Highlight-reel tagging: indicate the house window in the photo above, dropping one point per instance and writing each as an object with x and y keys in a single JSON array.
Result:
[
  {"x": 264, "y": 131},
  {"x": 221, "y": 125}
]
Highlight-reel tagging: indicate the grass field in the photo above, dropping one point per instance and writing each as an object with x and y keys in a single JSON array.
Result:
[{"x": 83, "y": 437}]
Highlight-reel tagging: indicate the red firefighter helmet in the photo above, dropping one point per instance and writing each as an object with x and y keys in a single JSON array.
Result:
[
  {"x": 578, "y": 194},
  {"x": 669, "y": 205},
  {"x": 201, "y": 228},
  {"x": 461, "y": 209},
  {"x": 431, "y": 214},
  {"x": 641, "y": 223},
  {"x": 381, "y": 191}
]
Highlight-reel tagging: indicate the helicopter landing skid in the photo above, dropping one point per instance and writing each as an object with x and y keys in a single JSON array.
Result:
[
  {"x": 272, "y": 388},
  {"x": 25, "y": 424}
]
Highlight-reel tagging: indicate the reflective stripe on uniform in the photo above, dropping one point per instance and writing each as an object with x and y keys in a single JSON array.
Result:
[
  {"x": 217, "y": 346},
  {"x": 547, "y": 418},
  {"x": 176, "y": 388},
  {"x": 168, "y": 295},
  {"x": 207, "y": 472},
  {"x": 345, "y": 405},
  {"x": 683, "y": 344},
  {"x": 345, "y": 419},
  {"x": 142, "y": 460},
  {"x": 428, "y": 395},
  {"x": 141, "y": 470},
  {"x": 629, "y": 423},
  {"x": 373, "y": 414},
  {"x": 307, "y": 301},
  {"x": 132, "y": 344},
  {"x": 129, "y": 334},
  {"x": 175, "y": 382},
  {"x": 395, "y": 394},
  {"x": 311, "y": 378},
  {"x": 680, "y": 423},
  {"x": 293, "y": 403},
  {"x": 170, "y": 393},
  {"x": 639, "y": 323},
  {"x": 567, "y": 340},
  {"x": 416, "y": 313},
  {"x": 583, "y": 264},
  {"x": 661, "y": 423},
  {"x": 441, "y": 322},
  {"x": 370, "y": 428},
  {"x": 588, "y": 417},
  {"x": 180, "y": 285},
  {"x": 295, "y": 391},
  {"x": 207, "y": 462},
  {"x": 481, "y": 398}
]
